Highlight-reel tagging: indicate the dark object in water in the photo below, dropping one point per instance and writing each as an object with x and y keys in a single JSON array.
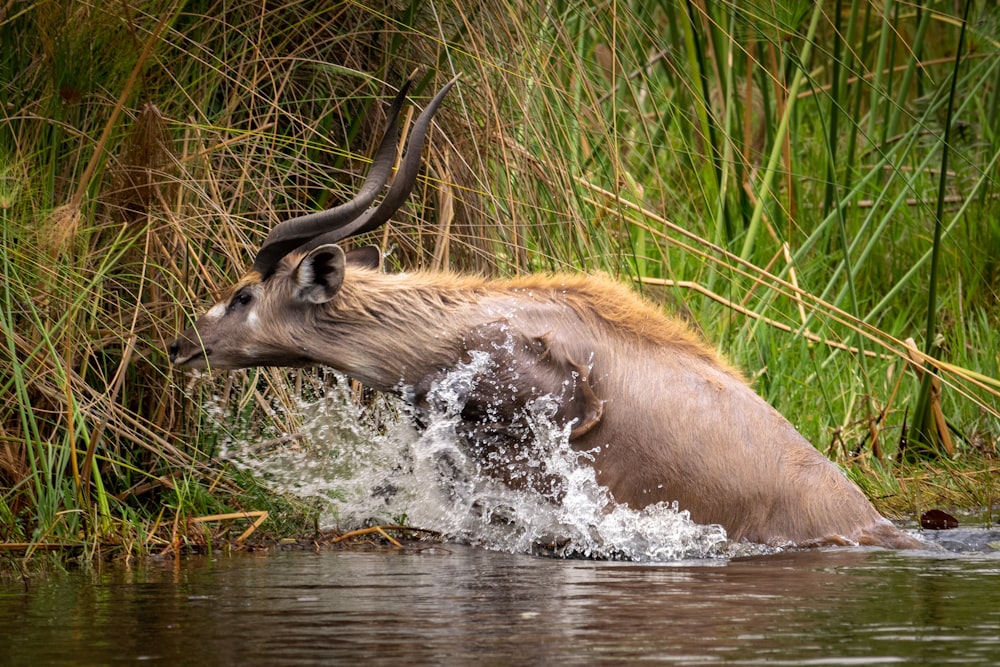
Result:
[{"x": 937, "y": 520}]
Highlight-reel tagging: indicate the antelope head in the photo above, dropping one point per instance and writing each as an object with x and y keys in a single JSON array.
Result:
[{"x": 300, "y": 266}]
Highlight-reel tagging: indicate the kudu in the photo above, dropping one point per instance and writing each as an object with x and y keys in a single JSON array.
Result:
[{"x": 652, "y": 408}]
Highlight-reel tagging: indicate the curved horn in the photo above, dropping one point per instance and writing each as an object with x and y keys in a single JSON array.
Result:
[
  {"x": 401, "y": 186},
  {"x": 290, "y": 234}
]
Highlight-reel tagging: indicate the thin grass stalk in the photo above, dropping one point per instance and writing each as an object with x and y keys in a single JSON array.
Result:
[
  {"x": 993, "y": 111},
  {"x": 854, "y": 128},
  {"x": 872, "y": 237},
  {"x": 728, "y": 157},
  {"x": 723, "y": 228},
  {"x": 833, "y": 135},
  {"x": 879, "y": 93},
  {"x": 30, "y": 431},
  {"x": 829, "y": 193},
  {"x": 895, "y": 111},
  {"x": 922, "y": 430},
  {"x": 724, "y": 56},
  {"x": 890, "y": 75},
  {"x": 764, "y": 191},
  {"x": 703, "y": 103}
]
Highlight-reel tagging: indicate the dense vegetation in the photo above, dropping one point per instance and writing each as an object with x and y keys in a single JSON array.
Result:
[{"x": 811, "y": 185}]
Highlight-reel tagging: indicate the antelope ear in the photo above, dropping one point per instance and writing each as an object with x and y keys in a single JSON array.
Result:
[
  {"x": 320, "y": 274},
  {"x": 369, "y": 257}
]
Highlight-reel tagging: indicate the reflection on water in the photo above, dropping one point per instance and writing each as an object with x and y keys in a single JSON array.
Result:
[{"x": 460, "y": 605}]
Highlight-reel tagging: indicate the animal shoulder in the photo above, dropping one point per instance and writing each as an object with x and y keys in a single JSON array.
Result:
[
  {"x": 620, "y": 308},
  {"x": 597, "y": 298}
]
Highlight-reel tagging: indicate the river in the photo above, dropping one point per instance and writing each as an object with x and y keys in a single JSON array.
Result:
[{"x": 458, "y": 605}]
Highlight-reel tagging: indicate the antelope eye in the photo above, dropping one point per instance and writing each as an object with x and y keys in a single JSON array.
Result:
[{"x": 242, "y": 298}]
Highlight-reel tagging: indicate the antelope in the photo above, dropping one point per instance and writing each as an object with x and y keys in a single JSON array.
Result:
[{"x": 656, "y": 412}]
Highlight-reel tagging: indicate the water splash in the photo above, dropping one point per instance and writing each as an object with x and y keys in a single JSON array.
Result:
[{"x": 362, "y": 469}]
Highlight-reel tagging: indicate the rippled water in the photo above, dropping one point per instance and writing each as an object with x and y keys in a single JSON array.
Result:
[{"x": 456, "y": 605}]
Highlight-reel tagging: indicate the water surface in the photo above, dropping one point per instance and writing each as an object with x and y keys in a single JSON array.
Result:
[{"x": 458, "y": 605}]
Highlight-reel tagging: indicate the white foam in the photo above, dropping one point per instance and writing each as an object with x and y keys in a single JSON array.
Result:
[{"x": 372, "y": 464}]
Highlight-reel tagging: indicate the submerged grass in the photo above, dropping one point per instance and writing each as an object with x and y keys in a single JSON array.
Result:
[{"x": 773, "y": 172}]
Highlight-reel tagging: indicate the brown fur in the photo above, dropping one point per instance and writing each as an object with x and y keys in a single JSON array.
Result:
[{"x": 664, "y": 417}]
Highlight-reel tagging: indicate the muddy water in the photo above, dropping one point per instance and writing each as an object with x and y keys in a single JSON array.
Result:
[{"x": 457, "y": 605}]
